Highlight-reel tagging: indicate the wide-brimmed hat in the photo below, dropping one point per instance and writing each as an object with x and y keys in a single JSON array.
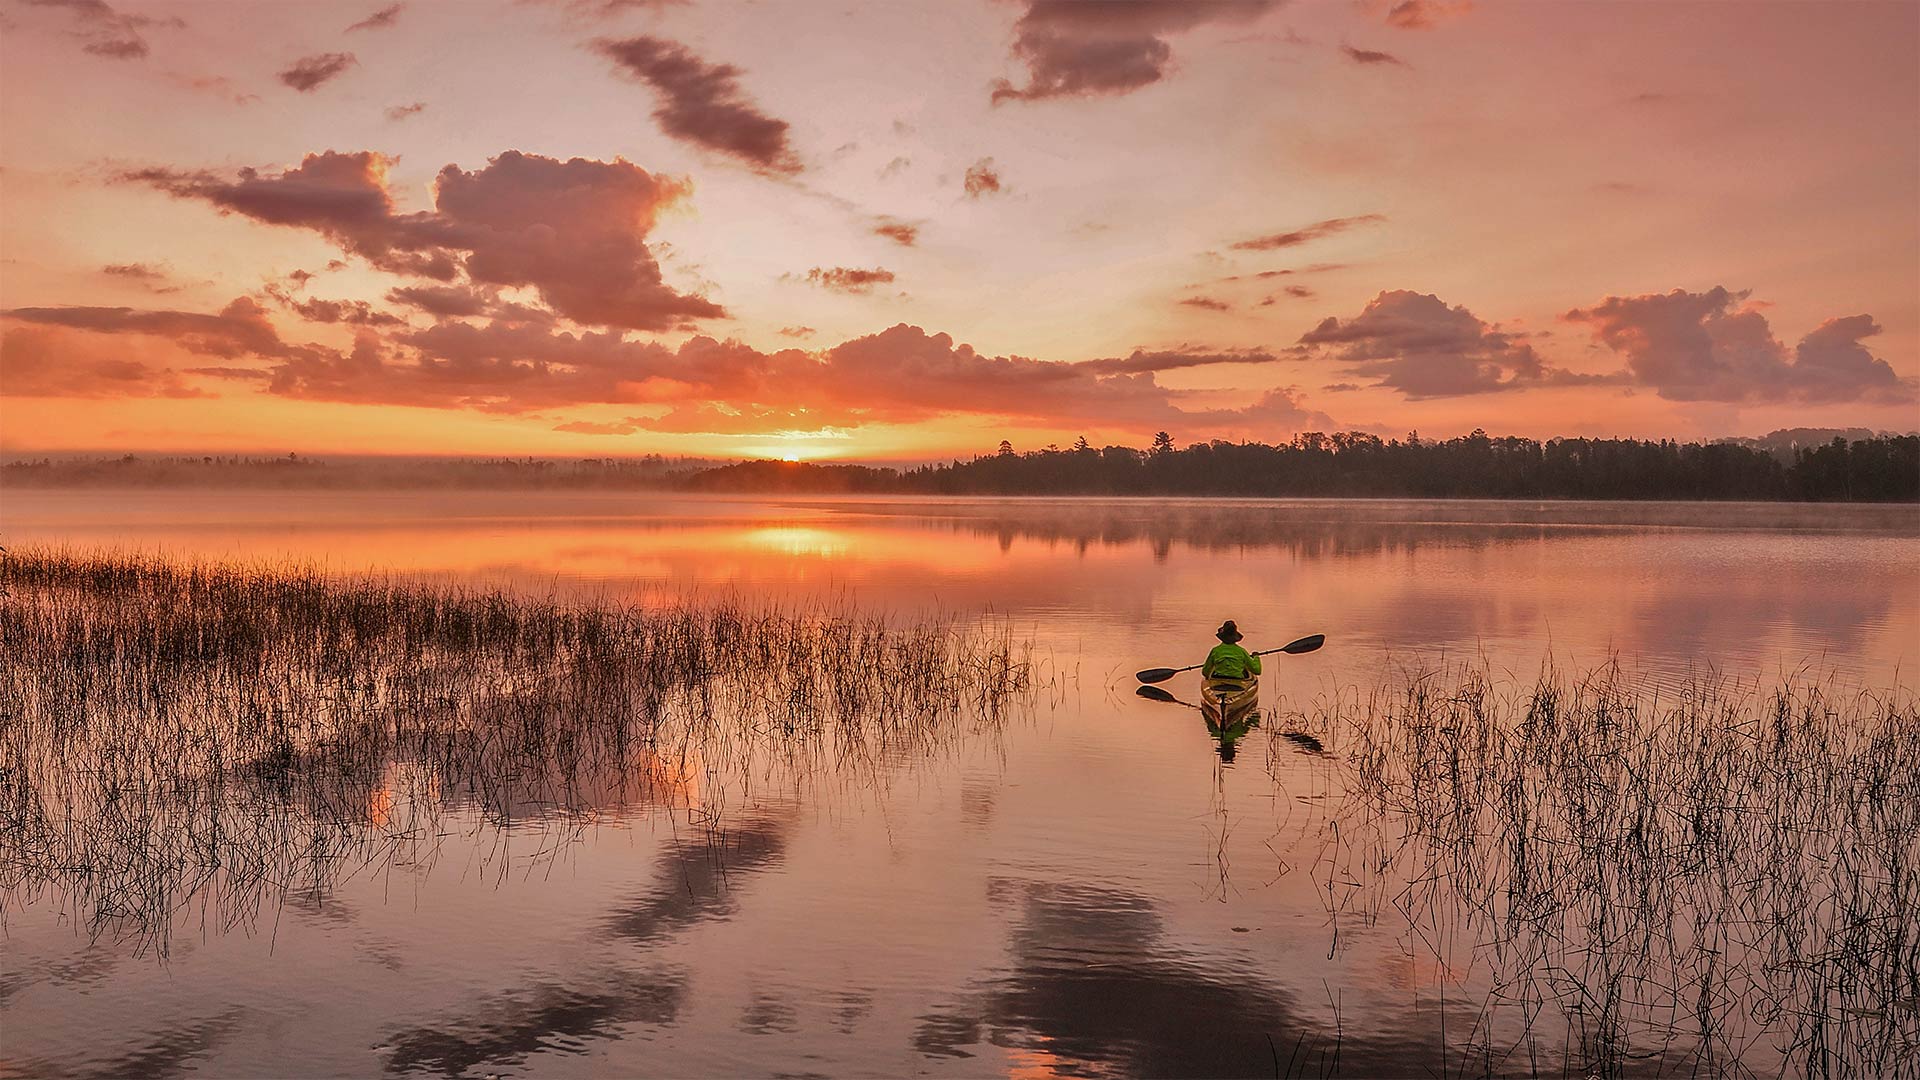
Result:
[{"x": 1227, "y": 631}]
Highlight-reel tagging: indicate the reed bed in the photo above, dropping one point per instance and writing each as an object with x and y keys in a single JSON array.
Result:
[
  {"x": 1607, "y": 880},
  {"x": 183, "y": 737}
]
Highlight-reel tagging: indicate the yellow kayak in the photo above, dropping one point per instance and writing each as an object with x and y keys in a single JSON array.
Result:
[{"x": 1229, "y": 699}]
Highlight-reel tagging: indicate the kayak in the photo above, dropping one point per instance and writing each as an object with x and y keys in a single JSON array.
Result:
[{"x": 1229, "y": 699}]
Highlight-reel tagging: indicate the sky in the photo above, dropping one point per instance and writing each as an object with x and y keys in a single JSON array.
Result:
[{"x": 907, "y": 230}]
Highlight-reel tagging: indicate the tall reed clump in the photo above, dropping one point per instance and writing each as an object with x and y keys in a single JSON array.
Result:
[
  {"x": 191, "y": 734},
  {"x": 1722, "y": 880}
]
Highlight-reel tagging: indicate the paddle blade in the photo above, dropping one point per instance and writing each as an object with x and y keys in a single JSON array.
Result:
[
  {"x": 1305, "y": 644},
  {"x": 1156, "y": 694},
  {"x": 1156, "y": 674}
]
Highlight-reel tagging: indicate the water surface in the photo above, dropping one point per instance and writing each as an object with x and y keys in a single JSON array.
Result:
[{"x": 1089, "y": 889}]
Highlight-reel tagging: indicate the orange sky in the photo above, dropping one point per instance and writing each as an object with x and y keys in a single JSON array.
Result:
[{"x": 908, "y": 229}]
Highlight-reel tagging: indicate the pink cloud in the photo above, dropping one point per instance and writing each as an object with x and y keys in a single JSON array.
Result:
[
  {"x": 1414, "y": 343},
  {"x": 573, "y": 230},
  {"x": 1717, "y": 346}
]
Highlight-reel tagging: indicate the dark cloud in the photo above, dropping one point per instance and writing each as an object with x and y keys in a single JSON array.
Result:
[
  {"x": 309, "y": 72},
  {"x": 108, "y": 32},
  {"x": 849, "y": 279},
  {"x": 900, "y": 232},
  {"x": 703, "y": 104},
  {"x": 982, "y": 179},
  {"x": 1369, "y": 57},
  {"x": 1207, "y": 303},
  {"x": 573, "y": 230},
  {"x": 379, "y": 20},
  {"x": 796, "y": 331},
  {"x": 1315, "y": 231},
  {"x": 401, "y": 112},
  {"x": 1715, "y": 346},
  {"x": 1414, "y": 343},
  {"x": 1085, "y": 48}
]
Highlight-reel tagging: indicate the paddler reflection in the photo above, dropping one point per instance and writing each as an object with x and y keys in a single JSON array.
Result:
[{"x": 1227, "y": 735}]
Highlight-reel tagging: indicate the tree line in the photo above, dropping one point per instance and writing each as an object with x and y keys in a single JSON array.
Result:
[
  {"x": 1874, "y": 468},
  {"x": 1883, "y": 468}
]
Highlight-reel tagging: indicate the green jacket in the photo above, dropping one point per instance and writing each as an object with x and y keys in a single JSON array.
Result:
[{"x": 1230, "y": 661}]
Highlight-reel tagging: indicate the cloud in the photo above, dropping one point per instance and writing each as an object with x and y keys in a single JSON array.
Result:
[
  {"x": 900, "y": 232},
  {"x": 401, "y": 112},
  {"x": 1315, "y": 231},
  {"x": 1207, "y": 302},
  {"x": 349, "y": 312},
  {"x": 573, "y": 230},
  {"x": 108, "y": 32},
  {"x": 1369, "y": 57},
  {"x": 240, "y": 329},
  {"x": 982, "y": 179},
  {"x": 899, "y": 375},
  {"x": 1414, "y": 343},
  {"x": 217, "y": 85},
  {"x": 1424, "y": 14},
  {"x": 1717, "y": 346},
  {"x": 1140, "y": 360},
  {"x": 309, "y": 72},
  {"x": 848, "y": 279},
  {"x": 152, "y": 278},
  {"x": 379, "y": 20},
  {"x": 1086, "y": 48},
  {"x": 703, "y": 104},
  {"x": 47, "y": 362},
  {"x": 796, "y": 331}
]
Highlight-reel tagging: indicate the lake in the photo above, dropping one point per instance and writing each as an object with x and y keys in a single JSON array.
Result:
[{"x": 1091, "y": 887}]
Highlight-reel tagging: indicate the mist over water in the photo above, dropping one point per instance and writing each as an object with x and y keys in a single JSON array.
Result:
[{"x": 1084, "y": 888}]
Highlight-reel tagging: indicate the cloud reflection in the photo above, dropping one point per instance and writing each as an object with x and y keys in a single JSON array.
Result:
[{"x": 1095, "y": 983}]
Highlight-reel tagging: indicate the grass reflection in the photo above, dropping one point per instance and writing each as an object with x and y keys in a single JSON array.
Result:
[{"x": 220, "y": 736}]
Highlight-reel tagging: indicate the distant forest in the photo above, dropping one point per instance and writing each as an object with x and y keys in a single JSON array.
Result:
[{"x": 1871, "y": 468}]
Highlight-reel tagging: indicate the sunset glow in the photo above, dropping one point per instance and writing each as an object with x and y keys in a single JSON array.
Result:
[{"x": 902, "y": 231}]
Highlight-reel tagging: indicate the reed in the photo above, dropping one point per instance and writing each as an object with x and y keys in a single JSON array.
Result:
[
  {"x": 1608, "y": 879},
  {"x": 181, "y": 737}
]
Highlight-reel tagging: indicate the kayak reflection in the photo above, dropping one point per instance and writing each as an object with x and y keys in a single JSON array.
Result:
[{"x": 1227, "y": 735}]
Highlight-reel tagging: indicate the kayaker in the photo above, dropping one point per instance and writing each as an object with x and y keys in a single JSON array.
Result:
[{"x": 1228, "y": 660}]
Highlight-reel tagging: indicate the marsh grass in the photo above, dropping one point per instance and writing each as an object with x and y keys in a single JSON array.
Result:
[
  {"x": 195, "y": 739},
  {"x": 1603, "y": 879}
]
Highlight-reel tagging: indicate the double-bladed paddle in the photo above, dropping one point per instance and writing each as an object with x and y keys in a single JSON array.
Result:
[{"x": 1305, "y": 644}]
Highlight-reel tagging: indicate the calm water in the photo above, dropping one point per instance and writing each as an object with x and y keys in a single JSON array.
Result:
[{"x": 1089, "y": 890}]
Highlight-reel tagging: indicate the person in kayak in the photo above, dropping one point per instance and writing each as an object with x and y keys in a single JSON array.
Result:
[{"x": 1228, "y": 660}]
